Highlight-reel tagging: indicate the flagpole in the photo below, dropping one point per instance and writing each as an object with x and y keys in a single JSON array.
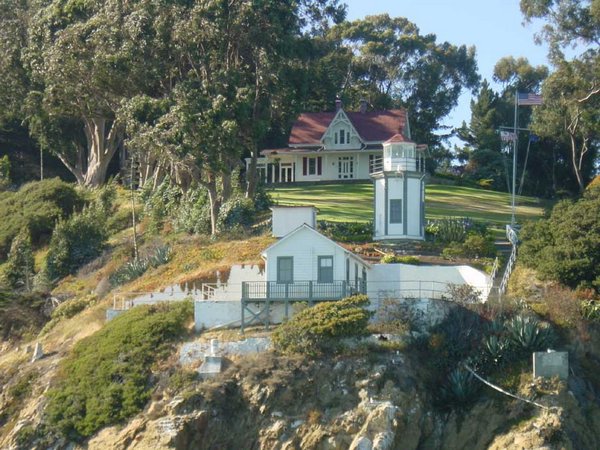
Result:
[{"x": 514, "y": 168}]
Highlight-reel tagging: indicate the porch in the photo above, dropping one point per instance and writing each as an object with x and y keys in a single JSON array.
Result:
[{"x": 259, "y": 297}]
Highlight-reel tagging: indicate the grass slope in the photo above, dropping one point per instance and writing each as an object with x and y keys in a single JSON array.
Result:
[{"x": 354, "y": 202}]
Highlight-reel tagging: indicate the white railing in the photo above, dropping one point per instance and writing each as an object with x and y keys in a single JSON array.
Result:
[{"x": 209, "y": 290}]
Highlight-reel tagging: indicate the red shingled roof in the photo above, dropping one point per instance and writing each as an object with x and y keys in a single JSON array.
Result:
[
  {"x": 371, "y": 125},
  {"x": 397, "y": 138}
]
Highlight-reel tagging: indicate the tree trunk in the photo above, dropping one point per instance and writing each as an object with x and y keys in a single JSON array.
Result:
[
  {"x": 576, "y": 165},
  {"x": 91, "y": 161},
  {"x": 102, "y": 146},
  {"x": 251, "y": 178},
  {"x": 215, "y": 205}
]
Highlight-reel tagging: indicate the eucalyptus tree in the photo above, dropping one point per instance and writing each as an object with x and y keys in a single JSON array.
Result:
[
  {"x": 235, "y": 65},
  {"x": 74, "y": 62},
  {"x": 571, "y": 111},
  {"x": 393, "y": 65}
]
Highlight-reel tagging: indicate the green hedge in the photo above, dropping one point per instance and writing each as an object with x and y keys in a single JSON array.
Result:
[
  {"x": 36, "y": 206},
  {"x": 107, "y": 377}
]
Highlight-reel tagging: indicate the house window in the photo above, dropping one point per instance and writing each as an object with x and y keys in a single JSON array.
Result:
[
  {"x": 396, "y": 211},
  {"x": 325, "y": 274},
  {"x": 312, "y": 165},
  {"x": 341, "y": 137},
  {"x": 285, "y": 269}
]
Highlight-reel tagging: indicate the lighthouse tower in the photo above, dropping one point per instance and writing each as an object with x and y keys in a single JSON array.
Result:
[{"x": 399, "y": 187}]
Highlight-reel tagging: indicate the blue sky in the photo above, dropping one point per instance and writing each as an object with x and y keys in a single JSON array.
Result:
[{"x": 494, "y": 27}]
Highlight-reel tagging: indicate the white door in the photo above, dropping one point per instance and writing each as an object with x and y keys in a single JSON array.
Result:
[{"x": 345, "y": 167}]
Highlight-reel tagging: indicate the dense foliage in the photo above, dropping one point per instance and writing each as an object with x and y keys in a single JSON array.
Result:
[
  {"x": 80, "y": 238},
  {"x": 19, "y": 269},
  {"x": 36, "y": 206},
  {"x": 566, "y": 246},
  {"x": 461, "y": 238},
  {"x": 318, "y": 329},
  {"x": 347, "y": 231},
  {"x": 106, "y": 378}
]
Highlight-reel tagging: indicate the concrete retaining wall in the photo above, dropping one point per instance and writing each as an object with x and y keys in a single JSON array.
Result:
[{"x": 210, "y": 314}]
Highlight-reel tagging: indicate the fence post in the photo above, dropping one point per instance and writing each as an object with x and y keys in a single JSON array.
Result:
[{"x": 310, "y": 291}]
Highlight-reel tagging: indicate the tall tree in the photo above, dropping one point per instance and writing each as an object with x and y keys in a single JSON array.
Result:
[
  {"x": 568, "y": 23},
  {"x": 393, "y": 65},
  {"x": 77, "y": 61},
  {"x": 571, "y": 112}
]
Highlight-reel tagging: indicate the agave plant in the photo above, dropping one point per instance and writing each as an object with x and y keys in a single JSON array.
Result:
[
  {"x": 460, "y": 386},
  {"x": 162, "y": 255},
  {"x": 496, "y": 327},
  {"x": 526, "y": 333},
  {"x": 496, "y": 347}
]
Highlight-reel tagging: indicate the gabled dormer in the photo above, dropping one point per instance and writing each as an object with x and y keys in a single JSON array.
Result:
[{"x": 341, "y": 134}]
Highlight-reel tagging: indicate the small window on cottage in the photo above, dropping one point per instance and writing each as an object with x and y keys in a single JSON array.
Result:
[
  {"x": 342, "y": 137},
  {"x": 325, "y": 274},
  {"x": 285, "y": 269},
  {"x": 396, "y": 211}
]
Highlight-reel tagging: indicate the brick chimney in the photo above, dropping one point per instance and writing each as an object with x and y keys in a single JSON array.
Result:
[
  {"x": 363, "y": 106},
  {"x": 338, "y": 103}
]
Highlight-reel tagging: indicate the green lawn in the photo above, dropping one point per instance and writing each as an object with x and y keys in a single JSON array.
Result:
[{"x": 354, "y": 202}]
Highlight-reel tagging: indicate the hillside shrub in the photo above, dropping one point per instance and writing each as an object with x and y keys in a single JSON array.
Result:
[
  {"x": 316, "y": 330},
  {"x": 400, "y": 259},
  {"x": 566, "y": 246},
  {"x": 347, "y": 231},
  {"x": 69, "y": 308},
  {"x": 193, "y": 213},
  {"x": 36, "y": 206},
  {"x": 107, "y": 377},
  {"x": 75, "y": 241},
  {"x": 19, "y": 269},
  {"x": 237, "y": 211},
  {"x": 80, "y": 238},
  {"x": 159, "y": 203},
  {"x": 4, "y": 173}
]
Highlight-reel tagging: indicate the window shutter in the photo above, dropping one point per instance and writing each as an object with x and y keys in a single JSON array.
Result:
[
  {"x": 304, "y": 166},
  {"x": 319, "y": 165}
]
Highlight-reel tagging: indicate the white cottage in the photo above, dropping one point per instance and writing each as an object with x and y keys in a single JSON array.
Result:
[{"x": 305, "y": 265}]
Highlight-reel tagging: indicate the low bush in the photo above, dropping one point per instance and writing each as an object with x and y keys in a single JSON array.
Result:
[
  {"x": 315, "y": 330},
  {"x": 36, "y": 206},
  {"x": 398, "y": 317},
  {"x": 401, "y": 259},
  {"x": 474, "y": 246},
  {"x": 347, "y": 231},
  {"x": 68, "y": 309},
  {"x": 107, "y": 377}
]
